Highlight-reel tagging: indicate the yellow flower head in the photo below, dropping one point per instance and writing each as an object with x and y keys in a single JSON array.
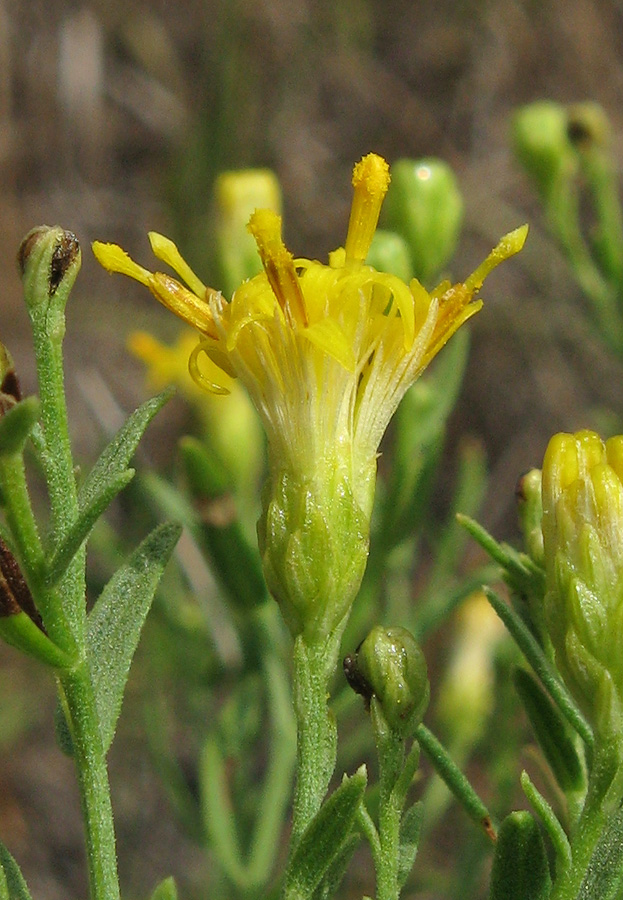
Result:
[{"x": 326, "y": 352}]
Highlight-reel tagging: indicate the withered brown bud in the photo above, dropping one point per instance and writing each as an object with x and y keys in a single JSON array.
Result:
[{"x": 15, "y": 596}]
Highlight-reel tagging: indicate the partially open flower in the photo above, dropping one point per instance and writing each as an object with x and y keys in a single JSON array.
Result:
[{"x": 326, "y": 353}]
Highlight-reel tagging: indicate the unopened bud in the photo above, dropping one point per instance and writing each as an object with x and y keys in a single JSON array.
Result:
[
  {"x": 541, "y": 143},
  {"x": 390, "y": 666},
  {"x": 530, "y": 509},
  {"x": 238, "y": 195},
  {"x": 425, "y": 206},
  {"x": 49, "y": 260}
]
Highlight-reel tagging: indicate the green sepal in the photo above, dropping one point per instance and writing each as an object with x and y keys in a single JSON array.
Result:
[
  {"x": 114, "y": 459},
  {"x": 20, "y": 632},
  {"x": 552, "y": 733},
  {"x": 604, "y": 875},
  {"x": 80, "y": 530},
  {"x": 410, "y": 829},
  {"x": 166, "y": 890},
  {"x": 520, "y": 868},
  {"x": 16, "y": 425},
  {"x": 114, "y": 624},
  {"x": 324, "y": 839},
  {"x": 236, "y": 562},
  {"x": 12, "y": 883}
]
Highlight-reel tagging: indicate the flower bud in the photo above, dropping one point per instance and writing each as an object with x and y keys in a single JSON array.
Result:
[
  {"x": 49, "y": 260},
  {"x": 425, "y": 206},
  {"x": 583, "y": 547},
  {"x": 530, "y": 508},
  {"x": 588, "y": 126},
  {"x": 389, "y": 252},
  {"x": 541, "y": 143},
  {"x": 238, "y": 195},
  {"x": 390, "y": 666}
]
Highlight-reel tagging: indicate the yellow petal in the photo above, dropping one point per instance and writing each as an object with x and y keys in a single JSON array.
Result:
[
  {"x": 114, "y": 259},
  {"x": 329, "y": 337},
  {"x": 165, "y": 250}
]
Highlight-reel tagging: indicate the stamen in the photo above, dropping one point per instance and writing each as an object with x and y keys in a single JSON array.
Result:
[
  {"x": 166, "y": 251},
  {"x": 114, "y": 259},
  {"x": 192, "y": 309},
  {"x": 265, "y": 226},
  {"x": 370, "y": 180}
]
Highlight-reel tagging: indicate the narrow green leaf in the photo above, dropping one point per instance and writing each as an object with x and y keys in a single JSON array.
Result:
[
  {"x": 218, "y": 814},
  {"x": 549, "y": 821},
  {"x": 12, "y": 884},
  {"x": 410, "y": 828},
  {"x": 520, "y": 868},
  {"x": 447, "y": 769},
  {"x": 166, "y": 890},
  {"x": 604, "y": 876},
  {"x": 533, "y": 652},
  {"x": 552, "y": 732},
  {"x": 16, "y": 424},
  {"x": 80, "y": 530},
  {"x": 115, "y": 622},
  {"x": 116, "y": 456},
  {"x": 325, "y": 838}
]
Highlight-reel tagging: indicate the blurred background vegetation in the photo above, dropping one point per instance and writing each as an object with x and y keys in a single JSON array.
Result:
[{"x": 115, "y": 119}]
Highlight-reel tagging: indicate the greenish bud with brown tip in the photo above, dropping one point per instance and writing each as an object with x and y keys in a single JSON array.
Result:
[
  {"x": 49, "y": 260},
  {"x": 390, "y": 666}
]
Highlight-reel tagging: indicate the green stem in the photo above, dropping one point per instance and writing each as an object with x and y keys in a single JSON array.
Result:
[
  {"x": 46, "y": 301},
  {"x": 316, "y": 730},
  {"x": 391, "y": 756},
  {"x": 605, "y": 791},
  {"x": 57, "y": 460},
  {"x": 78, "y": 701}
]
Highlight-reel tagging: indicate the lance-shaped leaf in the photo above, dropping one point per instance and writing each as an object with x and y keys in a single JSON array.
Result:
[
  {"x": 116, "y": 456},
  {"x": 520, "y": 868},
  {"x": 12, "y": 884},
  {"x": 324, "y": 839},
  {"x": 107, "y": 478},
  {"x": 115, "y": 622},
  {"x": 410, "y": 828},
  {"x": 80, "y": 530}
]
